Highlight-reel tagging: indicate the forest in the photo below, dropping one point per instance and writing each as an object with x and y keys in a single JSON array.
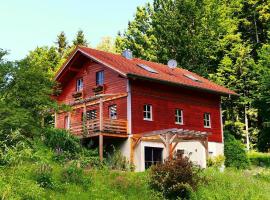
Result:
[{"x": 225, "y": 41}]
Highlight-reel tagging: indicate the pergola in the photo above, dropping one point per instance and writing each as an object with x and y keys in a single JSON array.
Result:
[{"x": 170, "y": 138}]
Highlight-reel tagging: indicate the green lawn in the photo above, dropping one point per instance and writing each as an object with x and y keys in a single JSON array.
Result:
[{"x": 18, "y": 183}]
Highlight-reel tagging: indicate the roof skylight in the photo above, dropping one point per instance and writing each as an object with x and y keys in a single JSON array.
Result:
[
  {"x": 147, "y": 68},
  {"x": 192, "y": 77}
]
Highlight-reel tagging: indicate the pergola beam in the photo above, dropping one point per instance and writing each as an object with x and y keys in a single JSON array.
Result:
[{"x": 174, "y": 135}]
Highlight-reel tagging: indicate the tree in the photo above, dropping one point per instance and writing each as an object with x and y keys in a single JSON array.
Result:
[
  {"x": 80, "y": 39},
  {"x": 263, "y": 102},
  {"x": 61, "y": 43},
  {"x": 239, "y": 72},
  {"x": 46, "y": 58},
  {"x": 139, "y": 37},
  {"x": 106, "y": 44},
  {"x": 25, "y": 98}
]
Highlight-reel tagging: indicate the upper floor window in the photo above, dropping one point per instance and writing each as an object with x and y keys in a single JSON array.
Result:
[
  {"x": 113, "y": 112},
  {"x": 100, "y": 78},
  {"x": 207, "y": 120},
  {"x": 79, "y": 85},
  {"x": 147, "y": 112},
  {"x": 178, "y": 116}
]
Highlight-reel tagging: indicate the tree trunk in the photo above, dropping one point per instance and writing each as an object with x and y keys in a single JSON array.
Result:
[{"x": 246, "y": 129}]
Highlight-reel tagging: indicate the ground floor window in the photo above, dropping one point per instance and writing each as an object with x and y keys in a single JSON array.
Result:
[
  {"x": 152, "y": 156},
  {"x": 91, "y": 114}
]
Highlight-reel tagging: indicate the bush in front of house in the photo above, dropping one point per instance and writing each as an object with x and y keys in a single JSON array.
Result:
[
  {"x": 235, "y": 153},
  {"x": 61, "y": 140},
  {"x": 175, "y": 178},
  {"x": 43, "y": 175},
  {"x": 73, "y": 173},
  {"x": 116, "y": 161},
  {"x": 259, "y": 159},
  {"x": 216, "y": 161}
]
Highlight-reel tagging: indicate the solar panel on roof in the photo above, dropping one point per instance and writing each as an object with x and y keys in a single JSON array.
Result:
[
  {"x": 147, "y": 68},
  {"x": 192, "y": 77}
]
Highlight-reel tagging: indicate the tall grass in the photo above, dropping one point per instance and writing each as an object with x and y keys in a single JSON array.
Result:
[
  {"x": 234, "y": 185},
  {"x": 259, "y": 159}
]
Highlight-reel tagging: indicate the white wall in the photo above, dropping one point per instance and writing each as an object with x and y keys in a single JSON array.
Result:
[{"x": 193, "y": 149}]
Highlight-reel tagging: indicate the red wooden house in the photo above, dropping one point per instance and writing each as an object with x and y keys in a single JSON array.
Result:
[{"x": 148, "y": 110}]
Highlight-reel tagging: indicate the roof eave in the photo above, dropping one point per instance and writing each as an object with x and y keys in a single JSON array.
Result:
[
  {"x": 89, "y": 56},
  {"x": 130, "y": 75}
]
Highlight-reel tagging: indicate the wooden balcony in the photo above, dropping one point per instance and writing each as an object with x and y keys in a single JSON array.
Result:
[{"x": 93, "y": 127}]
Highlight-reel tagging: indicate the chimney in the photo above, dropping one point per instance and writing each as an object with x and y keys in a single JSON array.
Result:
[{"x": 127, "y": 54}]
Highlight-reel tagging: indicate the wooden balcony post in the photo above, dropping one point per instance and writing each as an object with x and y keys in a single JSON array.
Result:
[
  {"x": 101, "y": 129},
  {"x": 55, "y": 119}
]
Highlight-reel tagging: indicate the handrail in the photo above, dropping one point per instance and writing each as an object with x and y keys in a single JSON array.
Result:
[{"x": 116, "y": 126}]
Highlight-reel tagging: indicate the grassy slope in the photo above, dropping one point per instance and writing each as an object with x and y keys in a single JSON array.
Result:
[{"x": 18, "y": 182}]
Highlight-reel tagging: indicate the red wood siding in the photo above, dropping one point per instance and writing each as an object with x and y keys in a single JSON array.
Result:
[
  {"x": 113, "y": 82},
  {"x": 165, "y": 99}
]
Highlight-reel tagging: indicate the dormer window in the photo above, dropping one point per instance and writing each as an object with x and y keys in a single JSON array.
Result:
[
  {"x": 100, "y": 78},
  {"x": 79, "y": 85}
]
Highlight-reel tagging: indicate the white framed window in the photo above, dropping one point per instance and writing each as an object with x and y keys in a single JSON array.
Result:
[
  {"x": 147, "y": 112},
  {"x": 100, "y": 78},
  {"x": 207, "y": 120},
  {"x": 113, "y": 112},
  {"x": 179, "y": 116},
  {"x": 79, "y": 85}
]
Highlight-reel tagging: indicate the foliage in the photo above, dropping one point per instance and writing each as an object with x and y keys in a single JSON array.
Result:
[
  {"x": 75, "y": 174},
  {"x": 106, "y": 44},
  {"x": 175, "y": 178},
  {"x": 25, "y": 100},
  {"x": 117, "y": 161},
  {"x": 259, "y": 159},
  {"x": 235, "y": 153},
  {"x": 61, "y": 43},
  {"x": 44, "y": 175},
  {"x": 80, "y": 39},
  {"x": 216, "y": 161},
  {"x": 61, "y": 140},
  {"x": 227, "y": 41},
  {"x": 232, "y": 184},
  {"x": 14, "y": 148}
]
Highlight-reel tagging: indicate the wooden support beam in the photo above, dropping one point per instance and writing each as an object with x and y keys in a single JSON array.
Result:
[
  {"x": 55, "y": 119},
  {"x": 134, "y": 142},
  {"x": 101, "y": 114},
  {"x": 101, "y": 147}
]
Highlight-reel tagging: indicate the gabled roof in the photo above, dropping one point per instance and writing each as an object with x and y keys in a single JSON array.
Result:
[{"x": 131, "y": 68}]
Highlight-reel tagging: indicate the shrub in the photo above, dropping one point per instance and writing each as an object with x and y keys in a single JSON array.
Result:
[
  {"x": 235, "y": 153},
  {"x": 119, "y": 162},
  {"x": 175, "y": 178},
  {"x": 61, "y": 140},
  {"x": 44, "y": 176},
  {"x": 216, "y": 161},
  {"x": 259, "y": 159},
  {"x": 75, "y": 174}
]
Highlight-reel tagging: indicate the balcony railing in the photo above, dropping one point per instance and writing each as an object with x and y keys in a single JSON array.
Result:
[{"x": 93, "y": 126}]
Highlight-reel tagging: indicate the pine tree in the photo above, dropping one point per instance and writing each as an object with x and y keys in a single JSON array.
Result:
[
  {"x": 80, "y": 39},
  {"x": 139, "y": 36},
  {"x": 61, "y": 43}
]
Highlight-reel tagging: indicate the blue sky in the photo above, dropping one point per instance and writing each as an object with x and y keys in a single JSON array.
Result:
[{"x": 26, "y": 24}]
